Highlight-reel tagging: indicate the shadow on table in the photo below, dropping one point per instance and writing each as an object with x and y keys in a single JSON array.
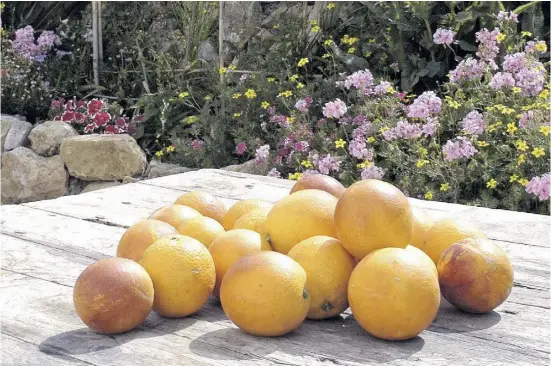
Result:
[
  {"x": 452, "y": 320},
  {"x": 85, "y": 340},
  {"x": 331, "y": 340}
]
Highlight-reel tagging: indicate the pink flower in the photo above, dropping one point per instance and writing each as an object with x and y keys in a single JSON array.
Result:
[
  {"x": 303, "y": 105},
  {"x": 121, "y": 122},
  {"x": 443, "y": 36},
  {"x": 460, "y": 148},
  {"x": 502, "y": 79},
  {"x": 94, "y": 106},
  {"x": 382, "y": 88},
  {"x": 89, "y": 128},
  {"x": 540, "y": 186},
  {"x": 425, "y": 105},
  {"x": 334, "y": 109},
  {"x": 372, "y": 172},
  {"x": 80, "y": 104},
  {"x": 362, "y": 79},
  {"x": 404, "y": 130},
  {"x": 68, "y": 116},
  {"x": 302, "y": 146},
  {"x": 102, "y": 118},
  {"x": 111, "y": 129},
  {"x": 197, "y": 144},
  {"x": 79, "y": 117},
  {"x": 327, "y": 164},
  {"x": 504, "y": 16},
  {"x": 241, "y": 148},
  {"x": 430, "y": 128},
  {"x": 474, "y": 123},
  {"x": 359, "y": 150},
  {"x": 513, "y": 63},
  {"x": 468, "y": 69},
  {"x": 70, "y": 105},
  {"x": 274, "y": 173},
  {"x": 262, "y": 154},
  {"x": 56, "y": 104},
  {"x": 488, "y": 48}
]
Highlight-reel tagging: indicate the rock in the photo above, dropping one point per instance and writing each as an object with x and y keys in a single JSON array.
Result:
[
  {"x": 94, "y": 186},
  {"x": 17, "y": 135},
  {"x": 5, "y": 127},
  {"x": 75, "y": 186},
  {"x": 46, "y": 137},
  {"x": 250, "y": 167},
  {"x": 102, "y": 157},
  {"x": 128, "y": 179},
  {"x": 27, "y": 176},
  {"x": 207, "y": 51},
  {"x": 241, "y": 20},
  {"x": 158, "y": 169}
]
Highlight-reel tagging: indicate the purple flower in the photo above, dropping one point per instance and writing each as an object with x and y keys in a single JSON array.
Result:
[
  {"x": 262, "y": 153},
  {"x": 359, "y": 150},
  {"x": 334, "y": 109},
  {"x": 382, "y": 88},
  {"x": 362, "y": 79},
  {"x": 303, "y": 105},
  {"x": 430, "y": 128},
  {"x": 443, "y": 36},
  {"x": 279, "y": 119},
  {"x": 460, "y": 148},
  {"x": 502, "y": 79},
  {"x": 531, "y": 79},
  {"x": 302, "y": 146},
  {"x": 513, "y": 63},
  {"x": 532, "y": 47},
  {"x": 504, "y": 16},
  {"x": 327, "y": 164},
  {"x": 468, "y": 69},
  {"x": 474, "y": 123},
  {"x": 525, "y": 118},
  {"x": 372, "y": 172},
  {"x": 404, "y": 130},
  {"x": 488, "y": 48},
  {"x": 425, "y": 105},
  {"x": 197, "y": 144},
  {"x": 274, "y": 173},
  {"x": 241, "y": 148},
  {"x": 539, "y": 186},
  {"x": 24, "y": 44}
]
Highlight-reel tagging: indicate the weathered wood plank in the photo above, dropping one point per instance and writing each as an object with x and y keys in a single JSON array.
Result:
[{"x": 513, "y": 328}]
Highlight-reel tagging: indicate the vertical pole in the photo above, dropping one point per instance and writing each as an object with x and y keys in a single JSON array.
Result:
[
  {"x": 221, "y": 38},
  {"x": 95, "y": 41},
  {"x": 100, "y": 33}
]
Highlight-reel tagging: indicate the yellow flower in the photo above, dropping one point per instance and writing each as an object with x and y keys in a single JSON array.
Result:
[
  {"x": 493, "y": 127},
  {"x": 276, "y": 26},
  {"x": 492, "y": 183},
  {"x": 265, "y": 105},
  {"x": 289, "y": 119},
  {"x": 428, "y": 195},
  {"x": 421, "y": 163},
  {"x": 250, "y": 94},
  {"x": 286, "y": 94},
  {"x": 307, "y": 164},
  {"x": 222, "y": 70},
  {"x": 232, "y": 67},
  {"x": 521, "y": 159},
  {"x": 236, "y": 95},
  {"x": 516, "y": 90},
  {"x": 513, "y": 178},
  {"x": 159, "y": 153},
  {"x": 383, "y": 129},
  {"x": 351, "y": 50},
  {"x": 444, "y": 187},
  {"x": 507, "y": 111},
  {"x": 538, "y": 151},
  {"x": 316, "y": 29},
  {"x": 340, "y": 143},
  {"x": 237, "y": 114},
  {"x": 325, "y": 55},
  {"x": 371, "y": 139},
  {"x": 544, "y": 94},
  {"x": 331, "y": 6},
  {"x": 300, "y": 85},
  {"x": 365, "y": 164},
  {"x": 525, "y": 34},
  {"x": 328, "y": 42},
  {"x": 313, "y": 22},
  {"x": 207, "y": 97},
  {"x": 521, "y": 145},
  {"x": 183, "y": 95},
  {"x": 509, "y": 48},
  {"x": 346, "y": 39},
  {"x": 511, "y": 128},
  {"x": 293, "y": 78},
  {"x": 271, "y": 80},
  {"x": 295, "y": 176},
  {"x": 523, "y": 182},
  {"x": 482, "y": 143},
  {"x": 500, "y": 37},
  {"x": 454, "y": 104},
  {"x": 170, "y": 149},
  {"x": 367, "y": 54},
  {"x": 545, "y": 130},
  {"x": 541, "y": 47},
  {"x": 302, "y": 62},
  {"x": 372, "y": 40}
]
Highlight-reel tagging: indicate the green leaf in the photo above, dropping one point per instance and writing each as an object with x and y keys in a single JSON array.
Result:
[
  {"x": 464, "y": 16},
  {"x": 434, "y": 67},
  {"x": 524, "y": 7},
  {"x": 466, "y": 46}
]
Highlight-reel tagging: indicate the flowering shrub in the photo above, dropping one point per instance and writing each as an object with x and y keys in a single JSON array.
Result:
[
  {"x": 484, "y": 140},
  {"x": 94, "y": 116}
]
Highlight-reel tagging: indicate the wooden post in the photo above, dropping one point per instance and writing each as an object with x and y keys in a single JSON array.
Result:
[
  {"x": 100, "y": 34},
  {"x": 95, "y": 65}
]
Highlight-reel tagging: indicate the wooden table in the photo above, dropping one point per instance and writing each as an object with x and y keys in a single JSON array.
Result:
[{"x": 45, "y": 246}]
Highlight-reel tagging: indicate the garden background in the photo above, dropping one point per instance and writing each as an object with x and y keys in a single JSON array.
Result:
[{"x": 447, "y": 100}]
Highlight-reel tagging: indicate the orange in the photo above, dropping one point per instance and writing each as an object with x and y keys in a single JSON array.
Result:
[
  {"x": 140, "y": 236},
  {"x": 328, "y": 268},
  {"x": 300, "y": 216},
  {"x": 256, "y": 221},
  {"x": 183, "y": 274},
  {"x": 174, "y": 214},
  {"x": 265, "y": 294},
  {"x": 394, "y": 293},
  {"x": 321, "y": 182},
  {"x": 444, "y": 233},
  {"x": 228, "y": 247},
  {"x": 113, "y": 295},
  {"x": 240, "y": 208},
  {"x": 205, "y": 203},
  {"x": 371, "y": 215},
  {"x": 201, "y": 228},
  {"x": 422, "y": 222}
]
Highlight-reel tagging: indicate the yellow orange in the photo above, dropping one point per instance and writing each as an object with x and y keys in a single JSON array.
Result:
[
  {"x": 422, "y": 222},
  {"x": 174, "y": 214},
  {"x": 321, "y": 182},
  {"x": 240, "y": 208},
  {"x": 201, "y": 228},
  {"x": 205, "y": 203},
  {"x": 256, "y": 221},
  {"x": 138, "y": 237}
]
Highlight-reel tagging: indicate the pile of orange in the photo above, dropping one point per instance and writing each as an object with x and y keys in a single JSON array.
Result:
[{"x": 313, "y": 254}]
